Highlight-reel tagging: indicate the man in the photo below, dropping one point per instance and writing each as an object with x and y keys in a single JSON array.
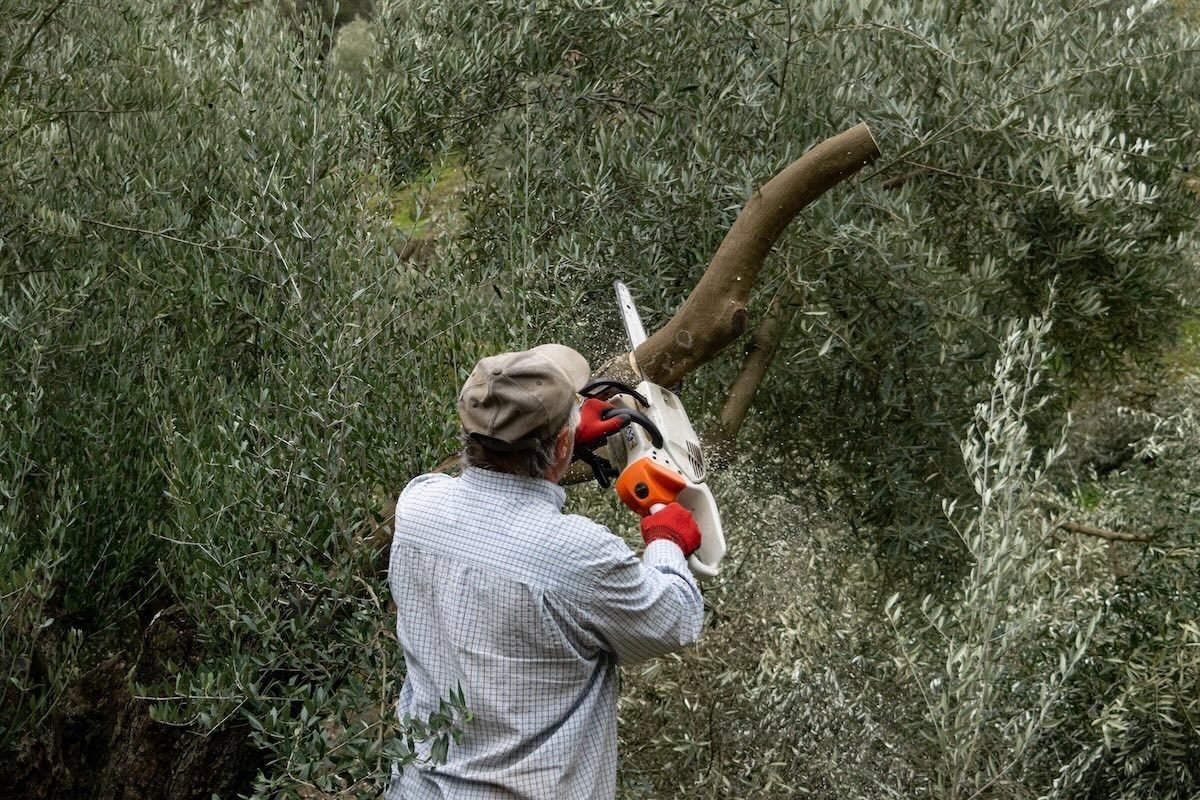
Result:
[{"x": 527, "y": 609}]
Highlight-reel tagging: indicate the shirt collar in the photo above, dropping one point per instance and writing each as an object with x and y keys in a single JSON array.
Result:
[{"x": 490, "y": 481}]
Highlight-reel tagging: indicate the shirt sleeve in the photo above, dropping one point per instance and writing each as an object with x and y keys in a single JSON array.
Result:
[
  {"x": 642, "y": 609},
  {"x": 416, "y": 483}
]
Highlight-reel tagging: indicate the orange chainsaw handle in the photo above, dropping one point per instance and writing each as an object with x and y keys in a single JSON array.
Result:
[{"x": 646, "y": 483}]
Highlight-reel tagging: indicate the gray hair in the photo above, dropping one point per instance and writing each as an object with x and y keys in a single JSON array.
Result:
[{"x": 533, "y": 463}]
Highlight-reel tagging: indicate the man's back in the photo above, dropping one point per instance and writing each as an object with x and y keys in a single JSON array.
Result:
[{"x": 528, "y": 611}]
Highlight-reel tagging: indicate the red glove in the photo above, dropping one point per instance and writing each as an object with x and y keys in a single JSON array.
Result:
[
  {"x": 675, "y": 524},
  {"x": 592, "y": 429}
]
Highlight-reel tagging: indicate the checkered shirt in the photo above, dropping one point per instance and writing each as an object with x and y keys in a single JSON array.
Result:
[{"x": 529, "y": 610}]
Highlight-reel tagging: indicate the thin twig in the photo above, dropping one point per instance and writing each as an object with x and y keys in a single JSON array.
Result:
[
  {"x": 899, "y": 180},
  {"x": 60, "y": 112},
  {"x": 11, "y": 72},
  {"x": 1101, "y": 533},
  {"x": 216, "y": 248}
]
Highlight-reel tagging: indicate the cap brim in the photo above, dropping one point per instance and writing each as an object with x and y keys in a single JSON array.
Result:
[{"x": 573, "y": 365}]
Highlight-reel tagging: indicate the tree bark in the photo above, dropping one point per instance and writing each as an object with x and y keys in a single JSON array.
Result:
[
  {"x": 714, "y": 314},
  {"x": 99, "y": 741}
]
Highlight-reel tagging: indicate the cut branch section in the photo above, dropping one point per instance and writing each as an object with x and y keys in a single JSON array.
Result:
[{"x": 714, "y": 314}]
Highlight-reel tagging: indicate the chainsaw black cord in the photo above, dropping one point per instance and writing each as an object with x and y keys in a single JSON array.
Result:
[{"x": 602, "y": 468}]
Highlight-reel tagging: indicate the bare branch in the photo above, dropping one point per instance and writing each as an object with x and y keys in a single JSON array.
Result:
[
  {"x": 216, "y": 248},
  {"x": 714, "y": 314},
  {"x": 15, "y": 65},
  {"x": 1112, "y": 536},
  {"x": 576, "y": 474},
  {"x": 903, "y": 178},
  {"x": 448, "y": 463},
  {"x": 758, "y": 358}
]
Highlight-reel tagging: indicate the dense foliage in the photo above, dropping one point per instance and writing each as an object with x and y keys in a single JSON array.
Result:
[
  {"x": 215, "y": 369},
  {"x": 219, "y": 357},
  {"x": 1025, "y": 147}
]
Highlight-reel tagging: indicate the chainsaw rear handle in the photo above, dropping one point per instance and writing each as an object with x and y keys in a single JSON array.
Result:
[{"x": 646, "y": 485}]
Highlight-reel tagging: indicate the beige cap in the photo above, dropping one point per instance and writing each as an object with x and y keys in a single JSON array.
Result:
[{"x": 513, "y": 400}]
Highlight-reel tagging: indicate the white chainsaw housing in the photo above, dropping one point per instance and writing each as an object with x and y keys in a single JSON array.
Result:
[{"x": 680, "y": 453}]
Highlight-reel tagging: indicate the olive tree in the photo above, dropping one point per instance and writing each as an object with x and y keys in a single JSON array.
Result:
[
  {"x": 1024, "y": 148},
  {"x": 218, "y": 365},
  {"x": 214, "y": 365},
  {"x": 1031, "y": 166}
]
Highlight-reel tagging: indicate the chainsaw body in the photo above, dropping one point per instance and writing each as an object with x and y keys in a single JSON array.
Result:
[
  {"x": 653, "y": 476},
  {"x": 656, "y": 459}
]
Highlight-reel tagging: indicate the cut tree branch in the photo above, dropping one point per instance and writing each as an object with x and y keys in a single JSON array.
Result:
[{"x": 714, "y": 314}]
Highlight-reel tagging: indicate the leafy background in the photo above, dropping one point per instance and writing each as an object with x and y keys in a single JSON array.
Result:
[{"x": 249, "y": 253}]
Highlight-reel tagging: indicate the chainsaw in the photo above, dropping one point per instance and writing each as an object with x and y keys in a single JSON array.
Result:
[{"x": 656, "y": 459}]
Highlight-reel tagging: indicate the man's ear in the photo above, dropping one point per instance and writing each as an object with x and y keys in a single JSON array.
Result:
[{"x": 566, "y": 441}]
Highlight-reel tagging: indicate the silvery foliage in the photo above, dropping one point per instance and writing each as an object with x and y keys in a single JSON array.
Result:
[
  {"x": 216, "y": 370},
  {"x": 992, "y": 664},
  {"x": 1041, "y": 142},
  {"x": 1136, "y": 732},
  {"x": 954, "y": 695},
  {"x": 1046, "y": 675},
  {"x": 1038, "y": 675},
  {"x": 791, "y": 692}
]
